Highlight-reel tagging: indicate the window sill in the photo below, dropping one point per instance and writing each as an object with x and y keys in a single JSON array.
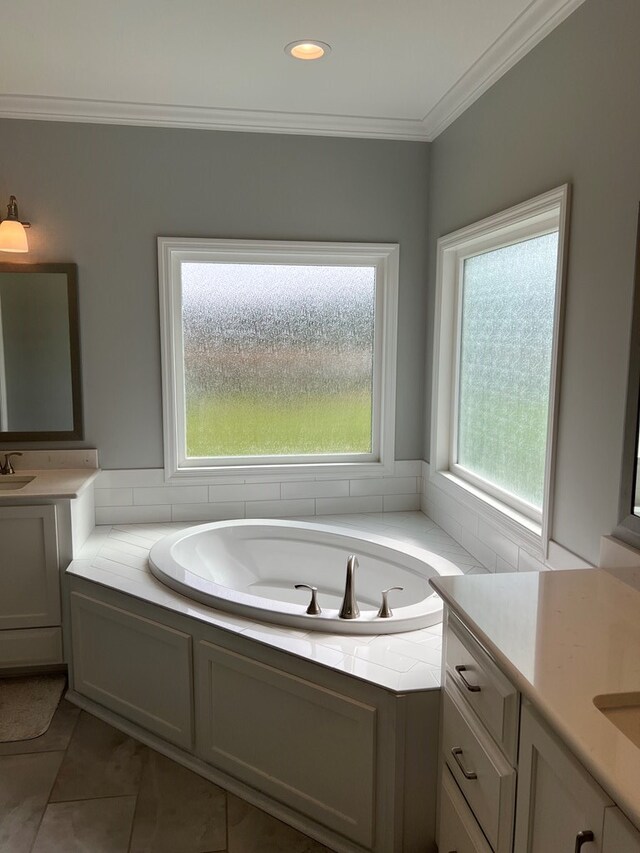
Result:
[
  {"x": 278, "y": 473},
  {"x": 515, "y": 523}
]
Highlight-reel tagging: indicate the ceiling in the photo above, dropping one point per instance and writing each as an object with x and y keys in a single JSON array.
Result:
[{"x": 402, "y": 70}]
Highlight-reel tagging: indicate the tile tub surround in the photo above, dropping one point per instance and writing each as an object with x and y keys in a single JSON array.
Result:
[
  {"x": 141, "y": 495},
  {"x": 116, "y": 557},
  {"x": 133, "y": 496},
  {"x": 495, "y": 545},
  {"x": 85, "y": 787}
]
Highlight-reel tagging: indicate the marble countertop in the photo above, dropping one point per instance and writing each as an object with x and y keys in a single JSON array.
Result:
[
  {"x": 564, "y": 638},
  {"x": 116, "y": 556},
  {"x": 52, "y": 483}
]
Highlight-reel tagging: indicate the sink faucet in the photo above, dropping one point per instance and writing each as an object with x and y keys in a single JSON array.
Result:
[
  {"x": 349, "y": 609},
  {"x": 7, "y": 467}
]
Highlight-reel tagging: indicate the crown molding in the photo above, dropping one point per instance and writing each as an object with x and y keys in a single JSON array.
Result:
[
  {"x": 529, "y": 28},
  {"x": 40, "y": 108},
  {"x": 536, "y": 21}
]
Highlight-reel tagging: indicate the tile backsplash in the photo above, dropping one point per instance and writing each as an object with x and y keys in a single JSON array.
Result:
[
  {"x": 496, "y": 548},
  {"x": 141, "y": 495},
  {"x": 130, "y": 496},
  {"x": 39, "y": 460}
]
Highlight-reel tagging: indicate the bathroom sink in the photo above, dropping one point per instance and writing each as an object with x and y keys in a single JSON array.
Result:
[
  {"x": 9, "y": 483},
  {"x": 623, "y": 710}
]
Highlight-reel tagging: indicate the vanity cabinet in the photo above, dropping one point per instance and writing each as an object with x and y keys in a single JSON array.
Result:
[
  {"x": 459, "y": 830},
  {"x": 619, "y": 835},
  {"x": 559, "y": 804},
  {"x": 488, "y": 737},
  {"x": 30, "y": 623},
  {"x": 478, "y": 741}
]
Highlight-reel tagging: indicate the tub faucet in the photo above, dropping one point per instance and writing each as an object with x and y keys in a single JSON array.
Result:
[
  {"x": 349, "y": 609},
  {"x": 7, "y": 468}
]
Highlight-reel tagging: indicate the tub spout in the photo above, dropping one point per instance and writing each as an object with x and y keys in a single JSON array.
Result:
[{"x": 349, "y": 609}]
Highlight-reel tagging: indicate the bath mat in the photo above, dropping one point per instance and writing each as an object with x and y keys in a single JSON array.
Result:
[{"x": 27, "y": 705}]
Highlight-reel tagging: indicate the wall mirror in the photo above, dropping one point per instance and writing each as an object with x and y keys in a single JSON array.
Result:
[
  {"x": 629, "y": 526},
  {"x": 39, "y": 353}
]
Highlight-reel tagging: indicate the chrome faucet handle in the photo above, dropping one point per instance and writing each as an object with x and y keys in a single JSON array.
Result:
[
  {"x": 385, "y": 611},
  {"x": 314, "y": 608},
  {"x": 7, "y": 467}
]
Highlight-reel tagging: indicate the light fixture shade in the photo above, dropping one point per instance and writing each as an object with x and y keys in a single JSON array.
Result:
[{"x": 13, "y": 237}]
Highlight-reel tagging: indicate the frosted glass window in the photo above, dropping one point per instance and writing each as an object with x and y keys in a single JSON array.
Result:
[
  {"x": 278, "y": 359},
  {"x": 506, "y": 340}
]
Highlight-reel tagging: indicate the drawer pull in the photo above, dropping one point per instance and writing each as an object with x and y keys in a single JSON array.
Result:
[
  {"x": 583, "y": 837},
  {"x": 472, "y": 688},
  {"x": 457, "y": 752}
]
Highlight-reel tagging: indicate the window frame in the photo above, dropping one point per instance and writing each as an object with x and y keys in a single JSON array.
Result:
[
  {"x": 540, "y": 215},
  {"x": 173, "y": 251}
]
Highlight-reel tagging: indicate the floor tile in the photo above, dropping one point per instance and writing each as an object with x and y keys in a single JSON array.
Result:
[
  {"x": 254, "y": 831},
  {"x": 86, "y": 826},
  {"x": 100, "y": 762},
  {"x": 56, "y": 737},
  {"x": 177, "y": 810},
  {"x": 25, "y": 783}
]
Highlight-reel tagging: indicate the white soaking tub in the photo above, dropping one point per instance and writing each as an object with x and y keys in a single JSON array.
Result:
[{"x": 250, "y": 567}]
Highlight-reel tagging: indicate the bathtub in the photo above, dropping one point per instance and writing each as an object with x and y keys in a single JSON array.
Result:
[{"x": 250, "y": 568}]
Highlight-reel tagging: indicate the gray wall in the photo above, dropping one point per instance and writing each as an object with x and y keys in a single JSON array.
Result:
[
  {"x": 568, "y": 112},
  {"x": 100, "y": 195}
]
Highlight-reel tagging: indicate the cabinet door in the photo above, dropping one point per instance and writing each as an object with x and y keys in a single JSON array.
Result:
[
  {"x": 289, "y": 738},
  {"x": 134, "y": 666},
  {"x": 29, "y": 577},
  {"x": 558, "y": 802},
  {"x": 619, "y": 835}
]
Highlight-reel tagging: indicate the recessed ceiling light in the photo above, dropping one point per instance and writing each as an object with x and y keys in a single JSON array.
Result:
[{"x": 307, "y": 49}]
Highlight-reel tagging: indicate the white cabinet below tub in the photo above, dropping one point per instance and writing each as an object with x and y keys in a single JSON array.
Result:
[
  {"x": 344, "y": 761},
  {"x": 295, "y": 740},
  {"x": 134, "y": 666},
  {"x": 30, "y": 632}
]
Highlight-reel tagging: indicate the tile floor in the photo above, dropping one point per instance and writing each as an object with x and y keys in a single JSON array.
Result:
[{"x": 84, "y": 787}]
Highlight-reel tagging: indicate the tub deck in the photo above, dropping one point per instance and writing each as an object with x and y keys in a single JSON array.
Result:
[{"x": 116, "y": 557}]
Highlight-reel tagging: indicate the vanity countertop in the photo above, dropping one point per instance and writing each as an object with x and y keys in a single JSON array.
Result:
[
  {"x": 564, "y": 638},
  {"x": 49, "y": 483}
]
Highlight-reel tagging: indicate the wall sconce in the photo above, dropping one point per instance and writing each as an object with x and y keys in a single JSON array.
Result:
[{"x": 12, "y": 234}]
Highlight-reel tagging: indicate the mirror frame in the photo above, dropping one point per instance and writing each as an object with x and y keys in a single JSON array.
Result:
[
  {"x": 76, "y": 432},
  {"x": 628, "y": 528}
]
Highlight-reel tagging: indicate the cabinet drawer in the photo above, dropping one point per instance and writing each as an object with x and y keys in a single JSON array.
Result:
[
  {"x": 492, "y": 696},
  {"x": 30, "y": 647},
  {"x": 483, "y": 774},
  {"x": 459, "y": 830}
]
